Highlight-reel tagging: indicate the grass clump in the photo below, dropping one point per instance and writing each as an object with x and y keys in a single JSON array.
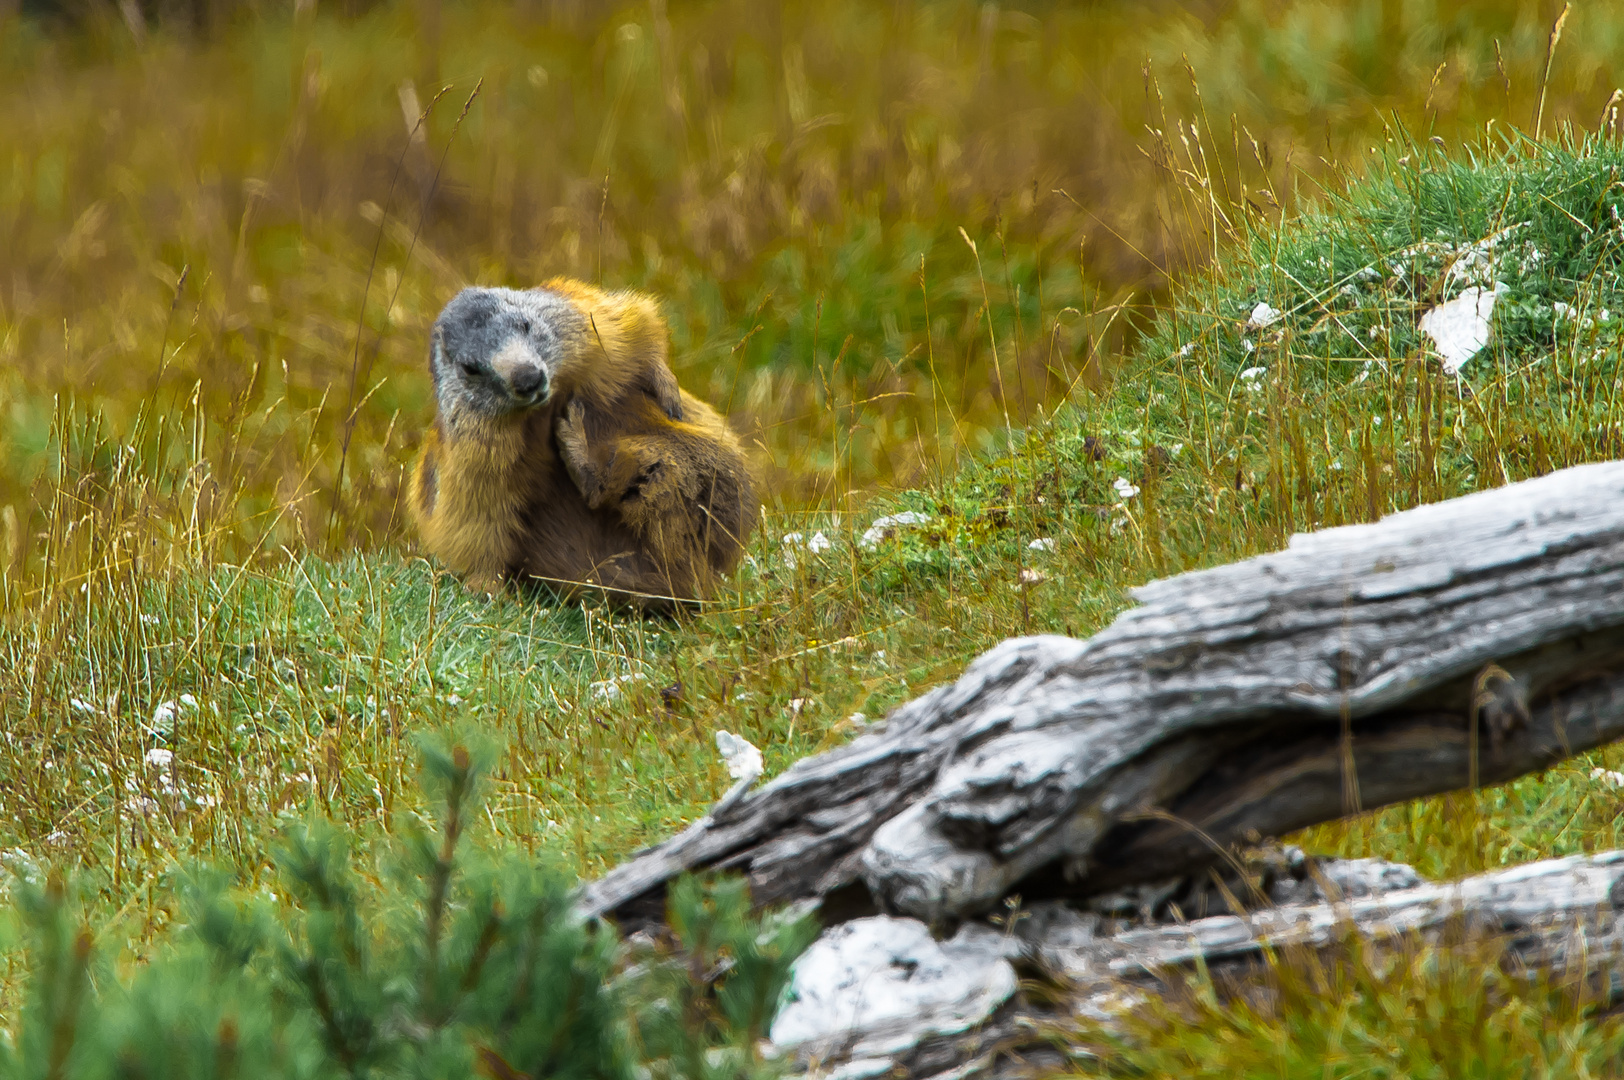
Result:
[
  {"x": 1341, "y": 297},
  {"x": 1396, "y": 1010}
]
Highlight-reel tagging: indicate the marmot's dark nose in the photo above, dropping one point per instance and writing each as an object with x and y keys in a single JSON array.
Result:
[{"x": 529, "y": 380}]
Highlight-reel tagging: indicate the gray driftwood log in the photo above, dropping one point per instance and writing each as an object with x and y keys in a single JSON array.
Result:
[{"x": 1472, "y": 640}]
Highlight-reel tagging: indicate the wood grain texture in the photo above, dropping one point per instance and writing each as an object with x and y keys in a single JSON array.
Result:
[{"x": 1477, "y": 638}]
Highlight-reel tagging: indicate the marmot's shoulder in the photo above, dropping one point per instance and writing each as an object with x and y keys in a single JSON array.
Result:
[{"x": 633, "y": 316}]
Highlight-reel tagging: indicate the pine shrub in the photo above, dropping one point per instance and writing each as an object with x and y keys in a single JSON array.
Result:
[{"x": 452, "y": 960}]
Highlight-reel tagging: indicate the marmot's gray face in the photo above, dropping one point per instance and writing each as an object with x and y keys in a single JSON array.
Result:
[{"x": 497, "y": 351}]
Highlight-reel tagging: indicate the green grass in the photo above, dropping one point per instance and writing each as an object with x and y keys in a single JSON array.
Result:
[{"x": 176, "y": 528}]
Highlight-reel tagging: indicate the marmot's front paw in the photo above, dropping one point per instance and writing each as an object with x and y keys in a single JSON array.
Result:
[
  {"x": 570, "y": 429},
  {"x": 667, "y": 394}
]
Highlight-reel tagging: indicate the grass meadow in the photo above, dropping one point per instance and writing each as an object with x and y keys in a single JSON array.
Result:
[{"x": 1000, "y": 266}]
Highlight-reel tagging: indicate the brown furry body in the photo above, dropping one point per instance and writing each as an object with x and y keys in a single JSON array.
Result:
[{"x": 609, "y": 475}]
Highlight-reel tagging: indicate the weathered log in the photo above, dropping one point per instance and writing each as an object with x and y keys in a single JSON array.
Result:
[
  {"x": 1468, "y": 641},
  {"x": 877, "y": 996}
]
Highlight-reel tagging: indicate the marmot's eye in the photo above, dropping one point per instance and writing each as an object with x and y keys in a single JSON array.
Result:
[
  {"x": 468, "y": 367},
  {"x": 524, "y": 327}
]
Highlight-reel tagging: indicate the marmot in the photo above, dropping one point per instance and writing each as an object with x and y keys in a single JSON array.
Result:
[{"x": 564, "y": 450}]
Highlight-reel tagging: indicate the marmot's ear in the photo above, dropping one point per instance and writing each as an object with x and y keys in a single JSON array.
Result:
[{"x": 436, "y": 353}]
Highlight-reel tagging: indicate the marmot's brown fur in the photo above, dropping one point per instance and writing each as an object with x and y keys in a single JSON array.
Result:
[{"x": 564, "y": 450}]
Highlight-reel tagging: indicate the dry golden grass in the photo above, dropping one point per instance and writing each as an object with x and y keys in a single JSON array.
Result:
[{"x": 791, "y": 180}]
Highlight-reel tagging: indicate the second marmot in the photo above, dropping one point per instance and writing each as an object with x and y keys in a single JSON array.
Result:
[{"x": 564, "y": 450}]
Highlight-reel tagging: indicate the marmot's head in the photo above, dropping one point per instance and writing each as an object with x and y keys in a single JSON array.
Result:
[{"x": 498, "y": 351}]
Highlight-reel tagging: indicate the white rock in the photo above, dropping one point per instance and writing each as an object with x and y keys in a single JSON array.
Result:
[
  {"x": 1042, "y": 543},
  {"x": 742, "y": 759},
  {"x": 1253, "y": 374},
  {"x": 874, "y": 986},
  {"x": 791, "y": 541},
  {"x": 882, "y": 527},
  {"x": 1608, "y": 777},
  {"x": 1263, "y": 316},
  {"x": 160, "y": 758},
  {"x": 163, "y": 717},
  {"x": 1459, "y": 328},
  {"x": 610, "y": 689},
  {"x": 1124, "y": 489}
]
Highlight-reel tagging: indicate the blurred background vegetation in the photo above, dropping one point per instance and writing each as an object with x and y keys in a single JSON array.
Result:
[{"x": 229, "y": 210}]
